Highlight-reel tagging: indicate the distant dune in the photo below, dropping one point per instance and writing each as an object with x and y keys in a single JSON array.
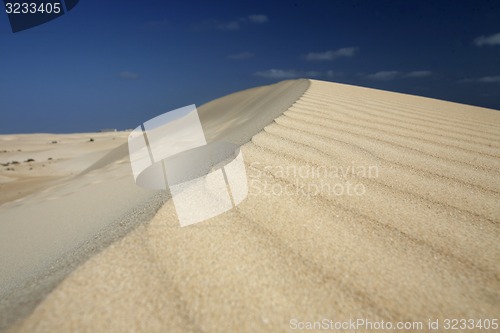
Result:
[{"x": 362, "y": 204}]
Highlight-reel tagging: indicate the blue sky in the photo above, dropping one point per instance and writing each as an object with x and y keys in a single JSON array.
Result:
[{"x": 116, "y": 64}]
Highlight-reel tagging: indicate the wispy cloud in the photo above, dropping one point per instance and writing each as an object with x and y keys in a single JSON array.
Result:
[
  {"x": 489, "y": 79},
  {"x": 241, "y": 56},
  {"x": 258, "y": 19},
  {"x": 484, "y": 79},
  {"x": 417, "y": 74},
  {"x": 128, "y": 75},
  {"x": 283, "y": 74},
  {"x": 488, "y": 40},
  {"x": 332, "y": 54},
  {"x": 330, "y": 73},
  {"x": 383, "y": 75},
  {"x": 391, "y": 75},
  {"x": 232, "y": 25},
  {"x": 279, "y": 74}
]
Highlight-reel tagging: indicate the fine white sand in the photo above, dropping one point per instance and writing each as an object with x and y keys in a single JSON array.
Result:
[{"x": 416, "y": 238}]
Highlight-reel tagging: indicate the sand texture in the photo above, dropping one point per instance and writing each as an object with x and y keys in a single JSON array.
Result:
[
  {"x": 65, "y": 197},
  {"x": 362, "y": 204}
]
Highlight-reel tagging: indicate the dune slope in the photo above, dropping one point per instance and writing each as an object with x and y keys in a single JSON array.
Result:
[
  {"x": 362, "y": 204},
  {"x": 90, "y": 199}
]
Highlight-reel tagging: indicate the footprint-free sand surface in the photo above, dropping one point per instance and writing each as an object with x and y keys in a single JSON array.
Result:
[{"x": 362, "y": 204}]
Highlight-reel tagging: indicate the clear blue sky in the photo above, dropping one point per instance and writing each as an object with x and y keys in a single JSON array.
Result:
[{"x": 118, "y": 63}]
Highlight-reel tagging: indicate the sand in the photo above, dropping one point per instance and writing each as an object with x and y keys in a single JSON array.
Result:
[
  {"x": 78, "y": 195},
  {"x": 54, "y": 214},
  {"x": 362, "y": 204}
]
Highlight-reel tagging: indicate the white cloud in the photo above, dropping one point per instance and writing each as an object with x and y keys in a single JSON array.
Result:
[
  {"x": 417, "y": 74},
  {"x": 489, "y": 79},
  {"x": 331, "y": 55},
  {"x": 484, "y": 79},
  {"x": 391, "y": 75},
  {"x": 128, "y": 75},
  {"x": 488, "y": 40},
  {"x": 313, "y": 74},
  {"x": 233, "y": 24},
  {"x": 330, "y": 73},
  {"x": 291, "y": 74},
  {"x": 259, "y": 19},
  {"x": 241, "y": 55},
  {"x": 383, "y": 75},
  {"x": 279, "y": 74}
]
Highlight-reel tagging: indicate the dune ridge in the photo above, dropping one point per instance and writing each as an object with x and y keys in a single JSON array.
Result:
[{"x": 421, "y": 241}]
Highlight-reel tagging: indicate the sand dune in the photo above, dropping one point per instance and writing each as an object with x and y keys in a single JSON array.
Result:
[
  {"x": 79, "y": 195},
  {"x": 362, "y": 204}
]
